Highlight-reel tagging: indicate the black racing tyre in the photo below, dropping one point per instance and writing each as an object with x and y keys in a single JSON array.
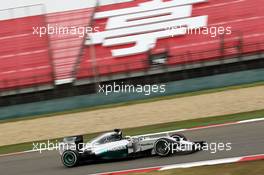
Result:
[
  {"x": 162, "y": 147},
  {"x": 70, "y": 158},
  {"x": 176, "y": 136}
]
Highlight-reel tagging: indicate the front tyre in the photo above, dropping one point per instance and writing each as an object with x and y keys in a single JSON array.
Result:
[
  {"x": 162, "y": 147},
  {"x": 70, "y": 158}
]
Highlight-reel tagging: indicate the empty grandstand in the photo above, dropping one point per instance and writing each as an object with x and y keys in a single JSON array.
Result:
[
  {"x": 25, "y": 58},
  {"x": 133, "y": 44}
]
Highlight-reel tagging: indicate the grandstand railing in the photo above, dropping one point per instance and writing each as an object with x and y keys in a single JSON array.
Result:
[
  {"x": 64, "y": 46},
  {"x": 78, "y": 60}
]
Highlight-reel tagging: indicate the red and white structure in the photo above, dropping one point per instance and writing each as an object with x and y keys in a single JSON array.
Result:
[{"x": 128, "y": 31}]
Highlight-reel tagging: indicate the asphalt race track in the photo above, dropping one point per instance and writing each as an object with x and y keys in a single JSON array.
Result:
[{"x": 246, "y": 139}]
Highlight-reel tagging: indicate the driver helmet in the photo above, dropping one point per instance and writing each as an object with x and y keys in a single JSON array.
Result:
[{"x": 119, "y": 132}]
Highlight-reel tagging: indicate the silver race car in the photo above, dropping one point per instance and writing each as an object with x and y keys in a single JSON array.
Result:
[{"x": 112, "y": 145}]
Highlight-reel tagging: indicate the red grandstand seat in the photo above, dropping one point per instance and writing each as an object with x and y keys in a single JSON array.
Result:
[
  {"x": 24, "y": 58},
  {"x": 243, "y": 17}
]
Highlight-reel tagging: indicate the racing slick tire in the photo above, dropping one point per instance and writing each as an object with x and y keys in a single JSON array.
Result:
[
  {"x": 70, "y": 158},
  {"x": 162, "y": 147}
]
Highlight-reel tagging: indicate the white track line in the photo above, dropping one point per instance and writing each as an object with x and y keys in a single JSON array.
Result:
[
  {"x": 205, "y": 127},
  {"x": 213, "y": 162},
  {"x": 188, "y": 165}
]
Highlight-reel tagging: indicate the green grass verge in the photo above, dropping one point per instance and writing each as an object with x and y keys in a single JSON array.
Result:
[
  {"x": 137, "y": 101},
  {"x": 155, "y": 128},
  {"x": 241, "y": 168}
]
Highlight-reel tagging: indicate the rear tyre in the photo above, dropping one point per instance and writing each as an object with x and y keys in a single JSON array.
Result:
[{"x": 70, "y": 158}]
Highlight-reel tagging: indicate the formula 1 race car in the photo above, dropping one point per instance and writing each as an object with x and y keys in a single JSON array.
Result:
[{"x": 112, "y": 145}]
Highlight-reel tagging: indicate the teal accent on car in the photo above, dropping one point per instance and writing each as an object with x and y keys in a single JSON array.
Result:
[{"x": 114, "y": 154}]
